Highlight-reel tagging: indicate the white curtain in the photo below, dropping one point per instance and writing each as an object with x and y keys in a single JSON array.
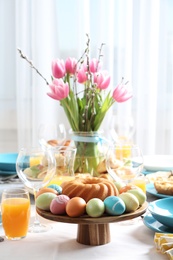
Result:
[{"x": 138, "y": 37}]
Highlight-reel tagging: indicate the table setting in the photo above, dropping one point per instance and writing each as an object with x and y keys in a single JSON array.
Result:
[
  {"x": 62, "y": 236},
  {"x": 106, "y": 178}
]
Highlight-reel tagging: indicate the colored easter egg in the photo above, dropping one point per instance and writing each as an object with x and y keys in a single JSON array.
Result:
[
  {"x": 114, "y": 205},
  {"x": 75, "y": 207},
  {"x": 141, "y": 196},
  {"x": 43, "y": 200},
  {"x": 56, "y": 187},
  {"x": 130, "y": 201},
  {"x": 58, "y": 204},
  {"x": 46, "y": 189},
  {"x": 95, "y": 207}
]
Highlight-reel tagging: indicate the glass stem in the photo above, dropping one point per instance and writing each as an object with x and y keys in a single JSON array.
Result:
[{"x": 36, "y": 220}]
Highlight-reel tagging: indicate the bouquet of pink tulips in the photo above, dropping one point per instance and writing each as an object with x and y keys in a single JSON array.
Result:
[{"x": 82, "y": 89}]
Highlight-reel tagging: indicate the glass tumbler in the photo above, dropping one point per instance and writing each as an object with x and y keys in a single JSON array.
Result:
[{"x": 15, "y": 210}]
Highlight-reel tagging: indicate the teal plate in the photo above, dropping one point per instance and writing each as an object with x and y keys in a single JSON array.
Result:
[
  {"x": 151, "y": 190},
  {"x": 150, "y": 222},
  {"x": 8, "y": 162}
]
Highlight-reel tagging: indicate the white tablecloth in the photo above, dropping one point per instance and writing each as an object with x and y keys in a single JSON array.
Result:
[{"x": 127, "y": 242}]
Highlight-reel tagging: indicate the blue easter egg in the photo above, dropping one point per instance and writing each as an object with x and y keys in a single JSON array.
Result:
[
  {"x": 114, "y": 205},
  {"x": 56, "y": 187}
]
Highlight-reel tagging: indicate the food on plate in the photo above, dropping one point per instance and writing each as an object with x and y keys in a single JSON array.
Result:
[
  {"x": 43, "y": 201},
  {"x": 56, "y": 142},
  {"x": 95, "y": 208},
  {"x": 114, "y": 163},
  {"x": 75, "y": 207},
  {"x": 36, "y": 172},
  {"x": 151, "y": 177},
  {"x": 89, "y": 187},
  {"x": 58, "y": 204},
  {"x": 114, "y": 205},
  {"x": 130, "y": 201},
  {"x": 164, "y": 185}
]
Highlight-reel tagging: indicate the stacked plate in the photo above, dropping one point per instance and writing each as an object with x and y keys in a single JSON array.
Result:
[
  {"x": 160, "y": 218},
  {"x": 7, "y": 164},
  {"x": 160, "y": 212}
]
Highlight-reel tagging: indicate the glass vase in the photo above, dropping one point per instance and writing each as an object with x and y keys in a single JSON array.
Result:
[{"x": 90, "y": 151}]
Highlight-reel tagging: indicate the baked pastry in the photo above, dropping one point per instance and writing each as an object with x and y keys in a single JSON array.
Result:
[
  {"x": 164, "y": 185},
  {"x": 114, "y": 163},
  {"x": 89, "y": 187}
]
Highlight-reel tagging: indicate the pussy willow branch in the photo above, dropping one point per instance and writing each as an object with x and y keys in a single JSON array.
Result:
[
  {"x": 32, "y": 66},
  {"x": 100, "y": 54}
]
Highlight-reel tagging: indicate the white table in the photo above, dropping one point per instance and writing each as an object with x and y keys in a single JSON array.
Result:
[{"x": 127, "y": 242}]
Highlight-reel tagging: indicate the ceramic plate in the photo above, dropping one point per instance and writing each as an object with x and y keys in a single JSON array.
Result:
[
  {"x": 151, "y": 190},
  {"x": 8, "y": 162},
  {"x": 156, "y": 226},
  {"x": 158, "y": 162}
]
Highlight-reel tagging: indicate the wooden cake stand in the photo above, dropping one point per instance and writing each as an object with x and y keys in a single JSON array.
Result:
[{"x": 93, "y": 231}]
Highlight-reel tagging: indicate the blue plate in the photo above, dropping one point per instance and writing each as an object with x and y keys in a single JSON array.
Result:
[
  {"x": 8, "y": 162},
  {"x": 151, "y": 190},
  {"x": 150, "y": 222},
  {"x": 162, "y": 211}
]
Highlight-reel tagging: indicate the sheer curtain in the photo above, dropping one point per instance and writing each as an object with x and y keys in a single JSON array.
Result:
[{"x": 138, "y": 37}]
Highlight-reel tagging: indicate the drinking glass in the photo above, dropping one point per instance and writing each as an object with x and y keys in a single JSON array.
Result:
[
  {"x": 52, "y": 134},
  {"x": 65, "y": 158},
  {"x": 15, "y": 209},
  {"x": 122, "y": 128},
  {"x": 124, "y": 162},
  {"x": 36, "y": 168}
]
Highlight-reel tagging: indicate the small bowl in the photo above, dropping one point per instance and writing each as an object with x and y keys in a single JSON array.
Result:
[
  {"x": 8, "y": 161},
  {"x": 162, "y": 211}
]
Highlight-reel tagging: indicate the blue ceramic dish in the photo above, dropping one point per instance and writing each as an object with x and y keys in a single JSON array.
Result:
[
  {"x": 162, "y": 211},
  {"x": 8, "y": 161}
]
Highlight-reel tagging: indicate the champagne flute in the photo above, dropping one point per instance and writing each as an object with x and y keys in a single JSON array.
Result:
[{"x": 36, "y": 168}]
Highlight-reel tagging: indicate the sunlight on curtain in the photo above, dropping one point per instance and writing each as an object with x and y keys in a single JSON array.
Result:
[{"x": 138, "y": 37}]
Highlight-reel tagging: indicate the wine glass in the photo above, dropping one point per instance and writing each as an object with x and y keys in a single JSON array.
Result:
[
  {"x": 122, "y": 128},
  {"x": 36, "y": 168},
  {"x": 52, "y": 134},
  {"x": 124, "y": 162}
]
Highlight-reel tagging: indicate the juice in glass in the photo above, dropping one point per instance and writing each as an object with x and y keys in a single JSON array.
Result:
[
  {"x": 15, "y": 216},
  {"x": 141, "y": 184}
]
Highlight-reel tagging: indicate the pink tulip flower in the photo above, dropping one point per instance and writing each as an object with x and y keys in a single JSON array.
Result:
[
  {"x": 95, "y": 65},
  {"x": 59, "y": 89},
  {"x": 70, "y": 65},
  {"x": 82, "y": 75},
  {"x": 58, "y": 68},
  {"x": 121, "y": 93},
  {"x": 102, "y": 79}
]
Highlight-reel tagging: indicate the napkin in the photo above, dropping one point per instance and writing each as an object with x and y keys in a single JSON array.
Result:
[{"x": 164, "y": 244}]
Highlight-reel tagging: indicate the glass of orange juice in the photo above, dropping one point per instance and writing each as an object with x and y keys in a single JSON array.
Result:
[
  {"x": 140, "y": 181},
  {"x": 15, "y": 210}
]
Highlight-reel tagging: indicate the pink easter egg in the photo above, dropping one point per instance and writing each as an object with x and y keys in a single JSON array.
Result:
[{"x": 58, "y": 204}]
